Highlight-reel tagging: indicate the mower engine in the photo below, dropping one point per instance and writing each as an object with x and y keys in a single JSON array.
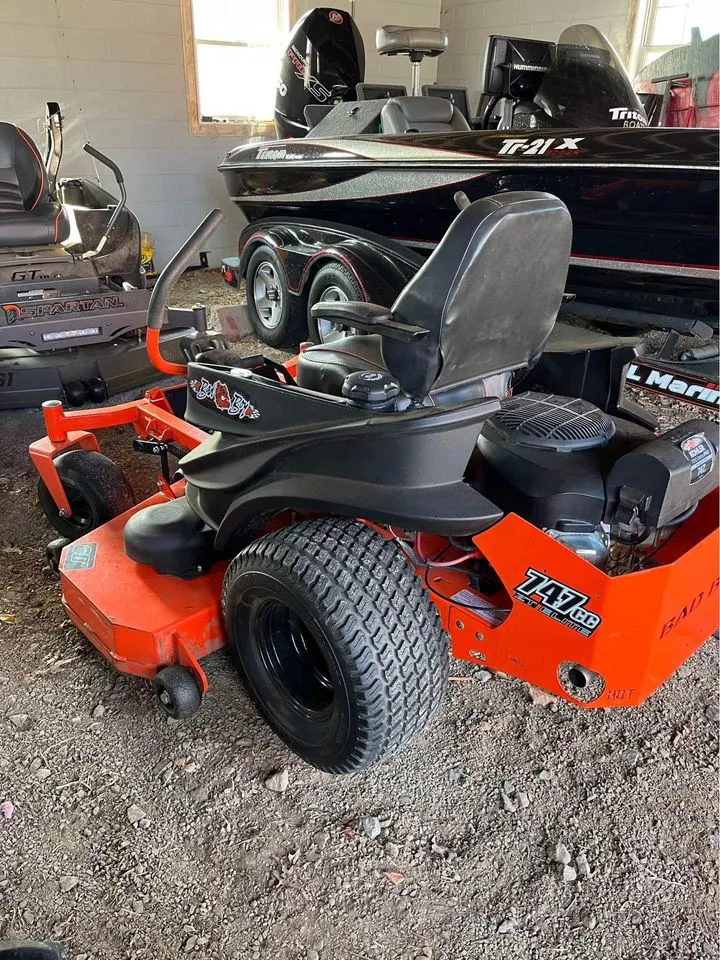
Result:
[{"x": 586, "y": 478}]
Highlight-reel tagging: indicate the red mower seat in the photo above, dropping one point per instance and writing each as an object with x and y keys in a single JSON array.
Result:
[{"x": 29, "y": 217}]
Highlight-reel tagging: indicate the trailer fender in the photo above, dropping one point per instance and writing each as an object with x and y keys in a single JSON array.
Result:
[{"x": 382, "y": 268}]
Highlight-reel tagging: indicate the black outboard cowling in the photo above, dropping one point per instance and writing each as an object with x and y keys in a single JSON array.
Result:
[{"x": 323, "y": 61}]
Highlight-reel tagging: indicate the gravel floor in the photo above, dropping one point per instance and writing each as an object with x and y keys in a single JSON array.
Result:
[{"x": 125, "y": 835}]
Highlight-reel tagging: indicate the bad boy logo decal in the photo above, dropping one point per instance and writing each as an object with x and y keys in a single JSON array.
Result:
[{"x": 233, "y": 404}]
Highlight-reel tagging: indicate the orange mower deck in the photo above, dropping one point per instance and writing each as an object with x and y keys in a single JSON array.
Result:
[{"x": 559, "y": 623}]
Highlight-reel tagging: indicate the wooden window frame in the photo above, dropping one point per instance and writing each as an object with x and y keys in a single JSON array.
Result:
[{"x": 203, "y": 128}]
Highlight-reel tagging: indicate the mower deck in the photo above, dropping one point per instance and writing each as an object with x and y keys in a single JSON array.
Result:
[
  {"x": 29, "y": 378},
  {"x": 167, "y": 620},
  {"x": 556, "y": 621}
]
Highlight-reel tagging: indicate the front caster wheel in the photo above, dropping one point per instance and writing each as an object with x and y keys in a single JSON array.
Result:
[
  {"x": 337, "y": 641},
  {"x": 53, "y": 551},
  {"x": 178, "y": 692},
  {"x": 96, "y": 488}
]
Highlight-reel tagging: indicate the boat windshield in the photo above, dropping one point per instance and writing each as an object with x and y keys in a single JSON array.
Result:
[{"x": 588, "y": 86}]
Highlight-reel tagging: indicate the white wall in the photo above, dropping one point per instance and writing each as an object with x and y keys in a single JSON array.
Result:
[
  {"x": 116, "y": 68},
  {"x": 469, "y": 23}
]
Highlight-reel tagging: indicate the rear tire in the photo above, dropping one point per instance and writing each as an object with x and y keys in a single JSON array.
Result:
[
  {"x": 336, "y": 283},
  {"x": 337, "y": 641},
  {"x": 96, "y": 487},
  {"x": 277, "y": 316}
]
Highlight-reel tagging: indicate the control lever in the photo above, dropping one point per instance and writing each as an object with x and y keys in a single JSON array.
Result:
[
  {"x": 462, "y": 200},
  {"x": 161, "y": 293},
  {"x": 200, "y": 341},
  {"x": 117, "y": 210}
]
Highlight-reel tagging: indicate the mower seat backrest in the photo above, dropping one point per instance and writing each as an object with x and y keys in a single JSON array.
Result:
[
  {"x": 488, "y": 295},
  {"x": 29, "y": 217},
  {"x": 421, "y": 115}
]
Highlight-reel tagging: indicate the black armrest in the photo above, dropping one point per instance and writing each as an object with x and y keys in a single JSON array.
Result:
[{"x": 369, "y": 317}]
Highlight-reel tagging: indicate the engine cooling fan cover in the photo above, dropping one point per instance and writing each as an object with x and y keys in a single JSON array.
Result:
[{"x": 551, "y": 422}]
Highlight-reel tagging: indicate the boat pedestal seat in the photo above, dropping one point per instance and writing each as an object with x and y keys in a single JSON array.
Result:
[{"x": 421, "y": 115}]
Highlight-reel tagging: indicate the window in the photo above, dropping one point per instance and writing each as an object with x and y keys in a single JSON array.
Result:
[
  {"x": 232, "y": 51},
  {"x": 666, "y": 24}
]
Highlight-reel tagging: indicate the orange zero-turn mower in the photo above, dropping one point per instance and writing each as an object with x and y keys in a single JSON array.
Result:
[{"x": 336, "y": 519}]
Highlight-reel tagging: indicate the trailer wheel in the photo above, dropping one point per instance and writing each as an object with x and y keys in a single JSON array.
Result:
[
  {"x": 334, "y": 283},
  {"x": 96, "y": 487},
  {"x": 277, "y": 316},
  {"x": 178, "y": 692},
  {"x": 337, "y": 641}
]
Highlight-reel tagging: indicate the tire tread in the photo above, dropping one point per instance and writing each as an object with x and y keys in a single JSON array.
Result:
[{"x": 377, "y": 608}]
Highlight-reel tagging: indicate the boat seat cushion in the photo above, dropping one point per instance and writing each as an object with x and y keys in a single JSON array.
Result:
[
  {"x": 323, "y": 369},
  {"x": 28, "y": 215},
  {"x": 421, "y": 115}
]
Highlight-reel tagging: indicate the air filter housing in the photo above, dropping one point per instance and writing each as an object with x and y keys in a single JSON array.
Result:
[
  {"x": 545, "y": 459},
  {"x": 550, "y": 422}
]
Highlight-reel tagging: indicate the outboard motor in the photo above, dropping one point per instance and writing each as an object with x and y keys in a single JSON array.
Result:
[{"x": 323, "y": 61}]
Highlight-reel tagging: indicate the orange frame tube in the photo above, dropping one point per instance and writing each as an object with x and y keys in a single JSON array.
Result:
[{"x": 151, "y": 416}]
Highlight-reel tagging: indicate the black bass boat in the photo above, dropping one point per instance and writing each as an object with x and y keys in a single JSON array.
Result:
[{"x": 644, "y": 201}]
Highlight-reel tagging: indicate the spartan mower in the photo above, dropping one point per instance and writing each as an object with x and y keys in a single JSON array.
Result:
[
  {"x": 351, "y": 518},
  {"x": 73, "y": 303}
]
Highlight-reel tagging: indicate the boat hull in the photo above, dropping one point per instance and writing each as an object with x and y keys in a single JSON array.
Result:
[{"x": 644, "y": 202}]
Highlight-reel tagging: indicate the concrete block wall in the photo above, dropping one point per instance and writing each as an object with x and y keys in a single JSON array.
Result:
[
  {"x": 469, "y": 23},
  {"x": 116, "y": 68}
]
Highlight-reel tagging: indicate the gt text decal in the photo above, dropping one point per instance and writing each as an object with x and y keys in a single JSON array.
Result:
[
  {"x": 79, "y": 556},
  {"x": 531, "y": 148},
  {"x": 557, "y": 601},
  {"x": 218, "y": 393}
]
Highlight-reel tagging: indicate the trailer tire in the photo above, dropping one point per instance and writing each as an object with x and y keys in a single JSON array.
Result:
[
  {"x": 336, "y": 283},
  {"x": 277, "y": 317},
  {"x": 96, "y": 487},
  {"x": 337, "y": 641}
]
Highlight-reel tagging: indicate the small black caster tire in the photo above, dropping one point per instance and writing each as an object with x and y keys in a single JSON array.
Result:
[
  {"x": 178, "y": 692},
  {"x": 96, "y": 487},
  {"x": 75, "y": 393},
  {"x": 53, "y": 551},
  {"x": 96, "y": 389}
]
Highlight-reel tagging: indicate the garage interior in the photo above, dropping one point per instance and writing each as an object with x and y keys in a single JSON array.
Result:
[{"x": 516, "y": 823}]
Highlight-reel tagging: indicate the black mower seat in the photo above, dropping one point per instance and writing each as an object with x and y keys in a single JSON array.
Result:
[
  {"x": 28, "y": 216},
  {"x": 482, "y": 306},
  {"x": 323, "y": 368}
]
